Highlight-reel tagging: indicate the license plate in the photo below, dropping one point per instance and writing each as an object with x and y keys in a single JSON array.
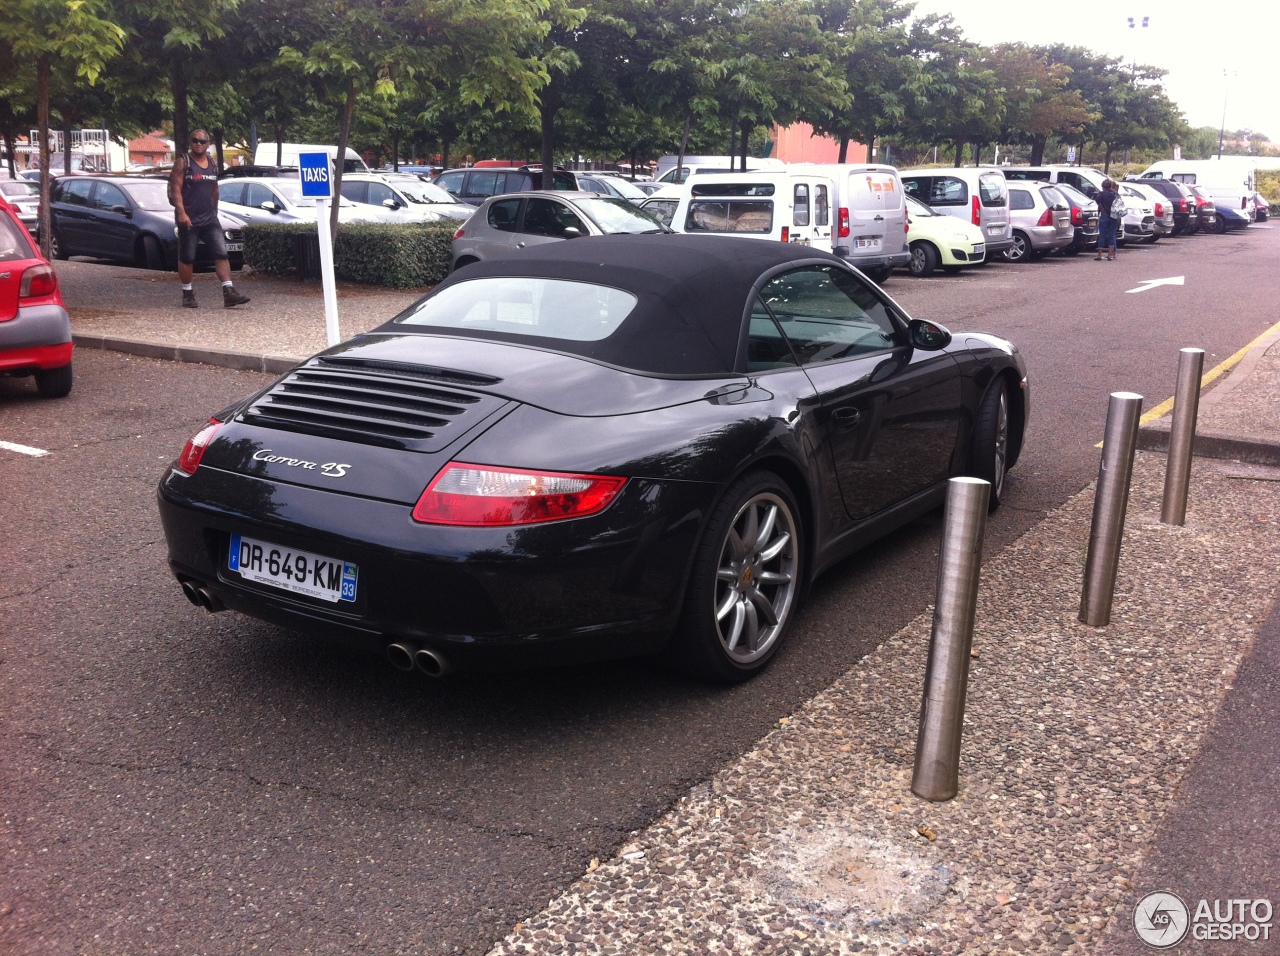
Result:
[
  {"x": 995, "y": 230},
  {"x": 866, "y": 243},
  {"x": 301, "y": 572},
  {"x": 235, "y": 247},
  {"x": 979, "y": 248}
]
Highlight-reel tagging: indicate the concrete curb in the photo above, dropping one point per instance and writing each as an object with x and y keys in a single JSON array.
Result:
[{"x": 241, "y": 361}]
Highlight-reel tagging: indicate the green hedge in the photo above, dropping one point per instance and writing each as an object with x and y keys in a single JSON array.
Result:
[{"x": 394, "y": 255}]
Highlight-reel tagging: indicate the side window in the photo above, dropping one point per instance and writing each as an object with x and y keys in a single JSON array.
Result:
[
  {"x": 379, "y": 193},
  {"x": 1188, "y": 178},
  {"x": 821, "y": 206},
  {"x": 231, "y": 191},
  {"x": 664, "y": 210},
  {"x": 827, "y": 314},
  {"x": 567, "y": 181},
  {"x": 504, "y": 214},
  {"x": 356, "y": 192},
  {"x": 766, "y": 345},
  {"x": 256, "y": 194},
  {"x": 107, "y": 197},
  {"x": 591, "y": 186},
  {"x": 730, "y": 215},
  {"x": 480, "y": 184},
  {"x": 948, "y": 191},
  {"x": 800, "y": 215},
  {"x": 452, "y": 182},
  {"x": 514, "y": 182},
  {"x": 993, "y": 189},
  {"x": 918, "y": 187},
  {"x": 546, "y": 217},
  {"x": 1020, "y": 199},
  {"x": 76, "y": 192}
]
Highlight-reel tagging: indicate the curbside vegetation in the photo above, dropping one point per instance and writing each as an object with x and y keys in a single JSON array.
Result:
[{"x": 393, "y": 255}]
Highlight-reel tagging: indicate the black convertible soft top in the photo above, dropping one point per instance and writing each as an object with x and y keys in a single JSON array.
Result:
[{"x": 692, "y": 294}]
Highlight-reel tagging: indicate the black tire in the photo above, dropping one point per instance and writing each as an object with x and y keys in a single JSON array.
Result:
[
  {"x": 1020, "y": 251},
  {"x": 748, "y": 568},
  {"x": 151, "y": 254},
  {"x": 54, "y": 382},
  {"x": 951, "y": 270},
  {"x": 924, "y": 259},
  {"x": 1073, "y": 249},
  {"x": 57, "y": 249},
  {"x": 1151, "y": 240},
  {"x": 989, "y": 454},
  {"x": 1220, "y": 225}
]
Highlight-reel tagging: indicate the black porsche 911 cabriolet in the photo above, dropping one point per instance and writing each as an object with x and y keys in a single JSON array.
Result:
[{"x": 607, "y": 446}]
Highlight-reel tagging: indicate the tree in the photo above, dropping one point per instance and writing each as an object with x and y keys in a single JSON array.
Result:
[
  {"x": 78, "y": 33},
  {"x": 1038, "y": 102}
]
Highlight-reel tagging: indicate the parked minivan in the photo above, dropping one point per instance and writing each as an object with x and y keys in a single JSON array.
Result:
[
  {"x": 1084, "y": 179},
  {"x": 789, "y": 206},
  {"x": 869, "y": 227},
  {"x": 967, "y": 192}
]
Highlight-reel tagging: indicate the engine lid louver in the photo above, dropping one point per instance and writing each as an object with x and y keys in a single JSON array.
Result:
[{"x": 376, "y": 403}]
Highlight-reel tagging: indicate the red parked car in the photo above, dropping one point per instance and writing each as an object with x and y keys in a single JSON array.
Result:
[{"x": 35, "y": 330}]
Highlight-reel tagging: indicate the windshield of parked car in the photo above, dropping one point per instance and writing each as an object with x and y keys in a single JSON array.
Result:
[
  {"x": 917, "y": 208},
  {"x": 623, "y": 188},
  {"x": 526, "y": 306},
  {"x": 425, "y": 192},
  {"x": 619, "y": 216},
  {"x": 292, "y": 192},
  {"x": 153, "y": 195},
  {"x": 1075, "y": 196}
]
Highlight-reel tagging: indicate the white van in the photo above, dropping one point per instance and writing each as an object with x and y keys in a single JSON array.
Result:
[
  {"x": 1230, "y": 181},
  {"x": 870, "y": 216},
  {"x": 266, "y": 154},
  {"x": 782, "y": 206},
  {"x": 665, "y": 171},
  {"x": 975, "y": 193},
  {"x": 1084, "y": 178}
]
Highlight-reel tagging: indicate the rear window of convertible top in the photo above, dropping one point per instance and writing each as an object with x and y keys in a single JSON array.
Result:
[{"x": 525, "y": 306}]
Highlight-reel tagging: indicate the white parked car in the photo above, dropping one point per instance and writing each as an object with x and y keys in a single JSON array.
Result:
[
  {"x": 281, "y": 200},
  {"x": 404, "y": 198}
]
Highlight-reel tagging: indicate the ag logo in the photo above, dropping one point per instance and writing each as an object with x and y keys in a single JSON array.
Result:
[{"x": 1161, "y": 920}]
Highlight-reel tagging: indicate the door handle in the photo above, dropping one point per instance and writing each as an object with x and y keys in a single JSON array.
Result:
[
  {"x": 846, "y": 416},
  {"x": 519, "y": 245},
  {"x": 878, "y": 219}
]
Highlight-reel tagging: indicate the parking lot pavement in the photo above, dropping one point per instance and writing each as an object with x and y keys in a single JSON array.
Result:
[{"x": 1092, "y": 757}]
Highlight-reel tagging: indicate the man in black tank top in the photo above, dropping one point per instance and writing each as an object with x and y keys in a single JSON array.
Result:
[{"x": 193, "y": 190}]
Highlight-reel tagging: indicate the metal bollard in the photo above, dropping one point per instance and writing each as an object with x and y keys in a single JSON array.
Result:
[
  {"x": 937, "y": 768},
  {"x": 1109, "y": 504},
  {"x": 1186, "y": 405}
]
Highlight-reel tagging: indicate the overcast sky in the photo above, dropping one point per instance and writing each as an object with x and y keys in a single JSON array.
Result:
[{"x": 1194, "y": 42}]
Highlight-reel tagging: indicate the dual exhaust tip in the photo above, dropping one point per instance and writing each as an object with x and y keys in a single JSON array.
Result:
[{"x": 407, "y": 655}]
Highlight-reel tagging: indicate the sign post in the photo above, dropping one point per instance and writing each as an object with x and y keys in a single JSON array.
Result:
[{"x": 317, "y": 183}]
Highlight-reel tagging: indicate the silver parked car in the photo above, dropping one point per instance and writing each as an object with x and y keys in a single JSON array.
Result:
[
  {"x": 403, "y": 196},
  {"x": 615, "y": 186},
  {"x": 512, "y": 221},
  {"x": 1161, "y": 207},
  {"x": 1041, "y": 219},
  {"x": 25, "y": 195}
]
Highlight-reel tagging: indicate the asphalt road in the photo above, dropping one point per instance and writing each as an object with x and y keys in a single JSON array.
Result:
[{"x": 175, "y": 782}]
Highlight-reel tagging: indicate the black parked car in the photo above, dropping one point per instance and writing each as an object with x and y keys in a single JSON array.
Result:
[
  {"x": 129, "y": 220},
  {"x": 475, "y": 184},
  {"x": 587, "y": 448},
  {"x": 1185, "y": 212}
]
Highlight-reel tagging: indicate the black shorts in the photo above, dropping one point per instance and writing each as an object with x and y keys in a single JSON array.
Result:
[{"x": 188, "y": 239}]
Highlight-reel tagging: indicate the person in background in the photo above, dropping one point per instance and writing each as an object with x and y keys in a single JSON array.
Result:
[
  {"x": 193, "y": 191},
  {"x": 1107, "y": 224}
]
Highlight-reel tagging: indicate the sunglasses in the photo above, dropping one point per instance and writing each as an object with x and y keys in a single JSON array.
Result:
[{"x": 197, "y": 139}]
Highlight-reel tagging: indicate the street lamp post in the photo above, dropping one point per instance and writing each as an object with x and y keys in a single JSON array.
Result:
[{"x": 1222, "y": 130}]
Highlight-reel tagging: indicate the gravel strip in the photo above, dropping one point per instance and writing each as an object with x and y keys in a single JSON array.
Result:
[{"x": 1076, "y": 742}]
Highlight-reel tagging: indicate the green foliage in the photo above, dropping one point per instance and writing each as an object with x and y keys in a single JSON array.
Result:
[
  {"x": 1269, "y": 185},
  {"x": 393, "y": 255}
]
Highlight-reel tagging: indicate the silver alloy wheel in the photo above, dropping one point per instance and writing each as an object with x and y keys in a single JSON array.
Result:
[
  {"x": 756, "y": 577},
  {"x": 1001, "y": 444},
  {"x": 1020, "y": 249}
]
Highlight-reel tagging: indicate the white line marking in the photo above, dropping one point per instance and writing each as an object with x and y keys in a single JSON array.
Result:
[
  {"x": 23, "y": 449},
  {"x": 1152, "y": 283}
]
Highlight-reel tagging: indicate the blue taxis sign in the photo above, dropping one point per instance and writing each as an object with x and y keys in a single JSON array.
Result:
[{"x": 313, "y": 169}]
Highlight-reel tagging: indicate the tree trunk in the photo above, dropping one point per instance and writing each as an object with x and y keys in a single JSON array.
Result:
[
  {"x": 181, "y": 119},
  {"x": 548, "y": 108},
  {"x": 1038, "y": 144},
  {"x": 217, "y": 150},
  {"x": 395, "y": 151},
  {"x": 871, "y": 145},
  {"x": 66, "y": 146},
  {"x": 959, "y": 152},
  {"x": 8, "y": 148},
  {"x": 977, "y": 154},
  {"x": 733, "y": 146},
  {"x": 844, "y": 147},
  {"x": 42, "y": 124},
  {"x": 684, "y": 144},
  {"x": 340, "y": 161},
  {"x": 1106, "y": 159},
  {"x": 279, "y": 143},
  {"x": 445, "y": 143},
  {"x": 747, "y": 127}
]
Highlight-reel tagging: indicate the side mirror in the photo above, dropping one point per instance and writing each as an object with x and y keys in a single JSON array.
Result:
[
  {"x": 390, "y": 204},
  {"x": 571, "y": 232},
  {"x": 928, "y": 336},
  {"x": 269, "y": 206},
  {"x": 122, "y": 211}
]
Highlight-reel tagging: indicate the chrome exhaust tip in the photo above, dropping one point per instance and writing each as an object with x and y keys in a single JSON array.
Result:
[
  {"x": 432, "y": 663},
  {"x": 401, "y": 654}
]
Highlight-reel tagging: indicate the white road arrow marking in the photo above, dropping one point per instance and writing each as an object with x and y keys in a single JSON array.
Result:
[
  {"x": 23, "y": 449},
  {"x": 1152, "y": 283}
]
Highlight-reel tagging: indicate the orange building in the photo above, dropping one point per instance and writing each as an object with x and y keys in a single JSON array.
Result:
[{"x": 799, "y": 144}]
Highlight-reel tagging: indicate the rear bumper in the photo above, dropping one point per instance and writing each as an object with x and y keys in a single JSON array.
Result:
[
  {"x": 36, "y": 337},
  {"x": 861, "y": 261}
]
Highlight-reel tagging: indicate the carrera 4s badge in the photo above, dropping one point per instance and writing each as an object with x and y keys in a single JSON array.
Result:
[{"x": 330, "y": 469}]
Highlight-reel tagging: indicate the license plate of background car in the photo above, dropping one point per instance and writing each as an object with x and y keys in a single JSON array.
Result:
[
  {"x": 866, "y": 243},
  {"x": 301, "y": 572},
  {"x": 235, "y": 247}
]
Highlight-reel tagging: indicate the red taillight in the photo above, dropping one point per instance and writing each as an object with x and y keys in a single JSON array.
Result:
[
  {"x": 37, "y": 282},
  {"x": 193, "y": 451},
  {"x": 1046, "y": 218},
  {"x": 786, "y": 234},
  {"x": 843, "y": 227},
  {"x": 1159, "y": 210},
  {"x": 977, "y": 212},
  {"x": 484, "y": 495},
  {"x": 458, "y": 234},
  {"x": 1077, "y": 216},
  {"x": 906, "y": 225},
  {"x": 1182, "y": 203}
]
